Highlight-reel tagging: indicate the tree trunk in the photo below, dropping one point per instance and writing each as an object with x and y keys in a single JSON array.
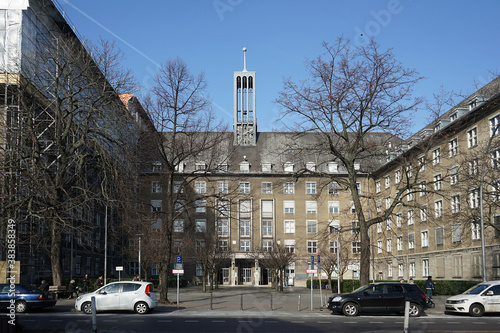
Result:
[
  {"x": 55, "y": 255},
  {"x": 364, "y": 276},
  {"x": 164, "y": 284}
]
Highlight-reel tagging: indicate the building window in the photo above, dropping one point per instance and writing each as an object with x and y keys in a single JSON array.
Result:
[
  {"x": 288, "y": 188},
  {"x": 496, "y": 225},
  {"x": 333, "y": 188},
  {"x": 155, "y": 186},
  {"x": 223, "y": 228},
  {"x": 267, "y": 228},
  {"x": 245, "y": 167},
  {"x": 457, "y": 266},
  {"x": 421, "y": 163},
  {"x": 245, "y": 246},
  {"x": 245, "y": 188},
  {"x": 267, "y": 208},
  {"x": 334, "y": 226},
  {"x": 379, "y": 227},
  {"x": 223, "y": 208},
  {"x": 425, "y": 238},
  {"x": 334, "y": 246},
  {"x": 399, "y": 243},
  {"x": 290, "y": 245},
  {"x": 245, "y": 208},
  {"x": 399, "y": 220},
  {"x": 311, "y": 188},
  {"x": 409, "y": 171},
  {"x": 379, "y": 246},
  {"x": 474, "y": 198},
  {"x": 438, "y": 209},
  {"x": 439, "y": 236},
  {"x": 473, "y": 167},
  {"x": 201, "y": 187},
  {"x": 425, "y": 267},
  {"x": 289, "y": 226},
  {"x": 311, "y": 207},
  {"x": 333, "y": 207},
  {"x": 266, "y": 167},
  {"x": 223, "y": 245},
  {"x": 411, "y": 240},
  {"x": 387, "y": 202},
  {"x": 456, "y": 232},
  {"x": 387, "y": 181},
  {"x": 267, "y": 188},
  {"x": 332, "y": 167},
  {"x": 312, "y": 246},
  {"x": 355, "y": 227},
  {"x": 289, "y": 206},
  {"x": 475, "y": 231},
  {"x": 312, "y": 226},
  {"x": 222, "y": 187},
  {"x": 411, "y": 217},
  {"x": 201, "y": 206},
  {"x": 389, "y": 245},
  {"x": 401, "y": 269},
  {"x": 437, "y": 182},
  {"x": 389, "y": 269},
  {"x": 353, "y": 208},
  {"x": 454, "y": 175},
  {"x": 453, "y": 147},
  {"x": 388, "y": 224},
  {"x": 422, "y": 188},
  {"x": 377, "y": 186},
  {"x": 436, "y": 156},
  {"x": 311, "y": 166},
  {"x": 409, "y": 195},
  {"x": 455, "y": 203},
  {"x": 179, "y": 225},
  {"x": 378, "y": 206},
  {"x": 495, "y": 158},
  {"x": 494, "y": 122},
  {"x": 472, "y": 137},
  {"x": 201, "y": 225},
  {"x": 267, "y": 245},
  {"x": 288, "y": 167},
  {"x": 356, "y": 247},
  {"x": 244, "y": 228},
  {"x": 412, "y": 271},
  {"x": 156, "y": 205},
  {"x": 397, "y": 176}
]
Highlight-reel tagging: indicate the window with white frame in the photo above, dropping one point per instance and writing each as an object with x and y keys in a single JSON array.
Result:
[
  {"x": 178, "y": 187},
  {"x": 267, "y": 207},
  {"x": 377, "y": 186},
  {"x": 334, "y": 246},
  {"x": 412, "y": 270},
  {"x": 356, "y": 247},
  {"x": 245, "y": 187},
  {"x": 333, "y": 207},
  {"x": 378, "y": 206},
  {"x": 399, "y": 243},
  {"x": 409, "y": 171},
  {"x": 289, "y": 226},
  {"x": 411, "y": 240},
  {"x": 179, "y": 225},
  {"x": 422, "y": 188},
  {"x": 333, "y": 188},
  {"x": 201, "y": 225},
  {"x": 245, "y": 246},
  {"x": 453, "y": 147},
  {"x": 290, "y": 245},
  {"x": 288, "y": 188},
  {"x": 389, "y": 269},
  {"x": 475, "y": 230},
  {"x": 289, "y": 206},
  {"x": 424, "y": 236},
  {"x": 201, "y": 206},
  {"x": 474, "y": 198},
  {"x": 245, "y": 208},
  {"x": 437, "y": 182},
  {"x": 245, "y": 167},
  {"x": 439, "y": 236},
  {"x": 312, "y": 226},
  {"x": 436, "y": 156},
  {"x": 473, "y": 167},
  {"x": 200, "y": 166},
  {"x": 399, "y": 220},
  {"x": 421, "y": 163},
  {"x": 156, "y": 205},
  {"x": 244, "y": 228},
  {"x": 358, "y": 188},
  {"x": 494, "y": 122},
  {"x": 155, "y": 186},
  {"x": 438, "y": 208},
  {"x": 379, "y": 227},
  {"x": 311, "y": 207},
  {"x": 456, "y": 232},
  {"x": 267, "y": 228},
  {"x": 411, "y": 217},
  {"x": 397, "y": 176},
  {"x": 472, "y": 137},
  {"x": 401, "y": 269},
  {"x": 266, "y": 167},
  {"x": 388, "y": 224},
  {"x": 222, "y": 186},
  {"x": 201, "y": 187},
  {"x": 389, "y": 245},
  {"x": 454, "y": 175},
  {"x": 310, "y": 187},
  {"x": 495, "y": 158},
  {"x": 267, "y": 188},
  {"x": 223, "y": 245},
  {"x": 387, "y": 181},
  {"x": 409, "y": 195},
  {"x": 332, "y": 167},
  {"x": 353, "y": 208},
  {"x": 223, "y": 228},
  {"x": 267, "y": 245},
  {"x": 355, "y": 227},
  {"x": 311, "y": 166},
  {"x": 379, "y": 246},
  {"x": 425, "y": 267},
  {"x": 455, "y": 203},
  {"x": 423, "y": 213},
  {"x": 223, "y": 207},
  {"x": 288, "y": 167},
  {"x": 312, "y": 246},
  {"x": 387, "y": 202}
]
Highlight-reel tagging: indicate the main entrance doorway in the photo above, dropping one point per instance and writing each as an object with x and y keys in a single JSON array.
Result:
[{"x": 245, "y": 273}]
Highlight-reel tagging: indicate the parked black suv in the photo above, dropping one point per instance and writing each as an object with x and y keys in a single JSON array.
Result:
[{"x": 380, "y": 297}]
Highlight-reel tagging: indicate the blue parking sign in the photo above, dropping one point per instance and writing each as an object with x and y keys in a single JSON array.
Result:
[{"x": 178, "y": 260}]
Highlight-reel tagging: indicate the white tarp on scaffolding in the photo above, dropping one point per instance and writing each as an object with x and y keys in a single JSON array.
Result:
[
  {"x": 10, "y": 37},
  {"x": 14, "y": 4}
]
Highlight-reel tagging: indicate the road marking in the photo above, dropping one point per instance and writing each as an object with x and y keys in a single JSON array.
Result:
[
  {"x": 191, "y": 321},
  {"x": 375, "y": 322},
  {"x": 297, "y": 322},
  {"x": 350, "y": 322},
  {"x": 218, "y": 321},
  {"x": 137, "y": 321},
  {"x": 271, "y": 321},
  {"x": 324, "y": 322},
  {"x": 164, "y": 321}
]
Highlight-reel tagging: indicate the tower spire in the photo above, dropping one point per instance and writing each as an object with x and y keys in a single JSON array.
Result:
[{"x": 244, "y": 59}]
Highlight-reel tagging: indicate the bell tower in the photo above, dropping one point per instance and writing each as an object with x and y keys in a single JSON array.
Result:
[{"x": 245, "y": 122}]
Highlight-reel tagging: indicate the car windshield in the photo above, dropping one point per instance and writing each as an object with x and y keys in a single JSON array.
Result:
[
  {"x": 477, "y": 289},
  {"x": 362, "y": 288}
]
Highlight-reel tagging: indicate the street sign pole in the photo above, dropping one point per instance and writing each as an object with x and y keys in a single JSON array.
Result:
[
  {"x": 320, "y": 290},
  {"x": 178, "y": 263},
  {"x": 312, "y": 267}
]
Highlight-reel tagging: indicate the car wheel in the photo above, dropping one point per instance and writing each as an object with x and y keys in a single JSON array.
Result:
[
  {"x": 21, "y": 306},
  {"x": 476, "y": 310},
  {"x": 141, "y": 308},
  {"x": 414, "y": 310},
  {"x": 87, "y": 308},
  {"x": 350, "y": 309}
]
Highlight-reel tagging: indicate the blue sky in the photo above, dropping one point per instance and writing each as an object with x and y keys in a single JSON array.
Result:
[{"x": 450, "y": 43}]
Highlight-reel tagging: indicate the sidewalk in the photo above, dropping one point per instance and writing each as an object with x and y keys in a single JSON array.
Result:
[{"x": 263, "y": 300}]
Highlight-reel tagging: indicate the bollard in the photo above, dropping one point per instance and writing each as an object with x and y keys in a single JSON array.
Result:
[
  {"x": 298, "y": 304},
  {"x": 272, "y": 302},
  {"x": 211, "y": 300},
  {"x": 407, "y": 316},
  {"x": 241, "y": 303}
]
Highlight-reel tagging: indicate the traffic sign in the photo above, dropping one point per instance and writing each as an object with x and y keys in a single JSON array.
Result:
[
  {"x": 177, "y": 271},
  {"x": 318, "y": 258},
  {"x": 311, "y": 271},
  {"x": 312, "y": 260},
  {"x": 178, "y": 260}
]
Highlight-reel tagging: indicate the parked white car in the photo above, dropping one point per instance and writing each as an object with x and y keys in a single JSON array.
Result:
[
  {"x": 483, "y": 297},
  {"x": 125, "y": 295}
]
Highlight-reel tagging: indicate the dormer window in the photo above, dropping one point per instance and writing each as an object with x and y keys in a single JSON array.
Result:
[
  {"x": 266, "y": 167},
  {"x": 156, "y": 166},
  {"x": 180, "y": 167},
  {"x": 311, "y": 166},
  {"x": 222, "y": 167},
  {"x": 200, "y": 166},
  {"x": 356, "y": 166},
  {"x": 475, "y": 101},
  {"x": 288, "y": 167},
  {"x": 332, "y": 167},
  {"x": 245, "y": 167},
  {"x": 454, "y": 116}
]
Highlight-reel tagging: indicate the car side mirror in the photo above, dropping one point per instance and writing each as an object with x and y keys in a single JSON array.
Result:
[
  {"x": 490, "y": 293},
  {"x": 103, "y": 293}
]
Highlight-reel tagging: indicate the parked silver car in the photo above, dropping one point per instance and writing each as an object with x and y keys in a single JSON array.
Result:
[
  {"x": 125, "y": 295},
  {"x": 483, "y": 297}
]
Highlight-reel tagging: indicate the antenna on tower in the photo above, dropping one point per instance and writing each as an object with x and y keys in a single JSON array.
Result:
[{"x": 244, "y": 59}]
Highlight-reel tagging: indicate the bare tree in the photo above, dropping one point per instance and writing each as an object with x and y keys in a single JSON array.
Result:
[
  {"x": 276, "y": 258},
  {"x": 351, "y": 94},
  {"x": 187, "y": 131}
]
